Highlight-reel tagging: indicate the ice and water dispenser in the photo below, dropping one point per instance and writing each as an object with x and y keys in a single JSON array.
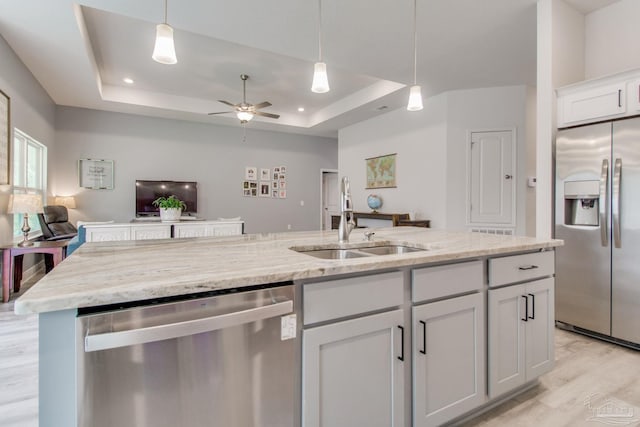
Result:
[{"x": 581, "y": 200}]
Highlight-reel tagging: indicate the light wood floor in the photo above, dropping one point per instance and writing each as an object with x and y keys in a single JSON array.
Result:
[{"x": 589, "y": 374}]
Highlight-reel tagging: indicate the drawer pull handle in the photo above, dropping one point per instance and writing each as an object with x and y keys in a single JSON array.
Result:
[
  {"x": 528, "y": 267},
  {"x": 533, "y": 307},
  {"x": 526, "y": 308},
  {"x": 401, "y": 357},
  {"x": 424, "y": 337}
]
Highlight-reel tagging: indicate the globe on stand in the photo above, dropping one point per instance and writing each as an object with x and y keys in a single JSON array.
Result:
[{"x": 374, "y": 201}]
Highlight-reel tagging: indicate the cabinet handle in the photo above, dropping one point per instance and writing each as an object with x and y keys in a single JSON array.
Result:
[
  {"x": 533, "y": 307},
  {"x": 401, "y": 357},
  {"x": 526, "y": 308},
  {"x": 424, "y": 337},
  {"x": 528, "y": 267},
  {"x": 620, "y": 98}
]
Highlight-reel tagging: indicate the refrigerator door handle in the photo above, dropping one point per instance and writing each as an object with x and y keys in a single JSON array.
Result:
[
  {"x": 617, "y": 170},
  {"x": 604, "y": 177}
]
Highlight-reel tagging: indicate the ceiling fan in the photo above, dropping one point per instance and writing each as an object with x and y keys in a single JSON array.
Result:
[{"x": 245, "y": 111}]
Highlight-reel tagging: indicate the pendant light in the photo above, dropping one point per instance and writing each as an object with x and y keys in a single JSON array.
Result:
[
  {"x": 320, "y": 82},
  {"x": 164, "y": 51},
  {"x": 415, "y": 94}
]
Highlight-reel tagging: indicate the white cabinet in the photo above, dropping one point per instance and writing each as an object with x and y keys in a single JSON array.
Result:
[
  {"x": 449, "y": 359},
  {"x": 633, "y": 96},
  {"x": 207, "y": 229},
  {"x": 160, "y": 231},
  {"x": 593, "y": 104},
  {"x": 353, "y": 368},
  {"x": 521, "y": 326},
  {"x": 353, "y": 373},
  {"x": 107, "y": 233}
]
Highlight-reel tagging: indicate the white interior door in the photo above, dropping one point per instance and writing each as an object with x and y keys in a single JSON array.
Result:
[
  {"x": 330, "y": 198},
  {"x": 492, "y": 186}
]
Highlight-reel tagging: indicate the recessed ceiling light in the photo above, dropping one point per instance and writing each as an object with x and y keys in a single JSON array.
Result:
[
  {"x": 128, "y": 80},
  {"x": 301, "y": 109}
]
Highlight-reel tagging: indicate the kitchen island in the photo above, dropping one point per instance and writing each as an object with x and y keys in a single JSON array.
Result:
[{"x": 462, "y": 301}]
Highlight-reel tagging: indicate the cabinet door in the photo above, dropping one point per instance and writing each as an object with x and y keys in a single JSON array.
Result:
[
  {"x": 449, "y": 363},
  {"x": 189, "y": 230},
  {"x": 633, "y": 96},
  {"x": 592, "y": 104},
  {"x": 148, "y": 232},
  {"x": 540, "y": 328},
  {"x": 227, "y": 229},
  {"x": 352, "y": 375},
  {"x": 506, "y": 339},
  {"x": 107, "y": 234}
]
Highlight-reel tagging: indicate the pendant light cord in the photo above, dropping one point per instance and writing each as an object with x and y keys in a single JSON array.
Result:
[
  {"x": 415, "y": 43},
  {"x": 165, "y": 11},
  {"x": 319, "y": 30}
]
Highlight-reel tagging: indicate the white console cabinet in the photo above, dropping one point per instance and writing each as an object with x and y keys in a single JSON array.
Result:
[{"x": 157, "y": 230}]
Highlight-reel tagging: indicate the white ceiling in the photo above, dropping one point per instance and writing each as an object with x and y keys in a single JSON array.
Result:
[{"x": 80, "y": 52}]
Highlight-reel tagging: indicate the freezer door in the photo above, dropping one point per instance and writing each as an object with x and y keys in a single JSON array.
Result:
[
  {"x": 583, "y": 287},
  {"x": 625, "y": 292}
]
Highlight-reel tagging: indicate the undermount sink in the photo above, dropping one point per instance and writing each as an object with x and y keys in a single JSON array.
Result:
[
  {"x": 334, "y": 253},
  {"x": 390, "y": 250},
  {"x": 358, "y": 252}
]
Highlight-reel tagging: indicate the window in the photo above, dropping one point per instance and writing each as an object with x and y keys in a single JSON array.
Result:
[{"x": 29, "y": 175}]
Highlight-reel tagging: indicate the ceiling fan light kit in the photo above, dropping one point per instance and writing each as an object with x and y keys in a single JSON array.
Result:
[
  {"x": 415, "y": 94},
  {"x": 320, "y": 80},
  {"x": 245, "y": 111},
  {"x": 164, "y": 51}
]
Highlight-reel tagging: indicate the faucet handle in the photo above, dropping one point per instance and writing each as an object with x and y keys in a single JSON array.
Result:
[{"x": 368, "y": 235}]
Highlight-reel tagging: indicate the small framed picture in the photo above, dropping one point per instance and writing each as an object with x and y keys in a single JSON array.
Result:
[
  {"x": 265, "y": 189},
  {"x": 282, "y": 194},
  {"x": 283, "y": 169},
  {"x": 282, "y": 184},
  {"x": 250, "y": 173},
  {"x": 274, "y": 185},
  {"x": 276, "y": 170},
  {"x": 246, "y": 192},
  {"x": 253, "y": 185},
  {"x": 265, "y": 174},
  {"x": 254, "y": 192},
  {"x": 96, "y": 174},
  {"x": 245, "y": 184},
  {"x": 274, "y": 194}
]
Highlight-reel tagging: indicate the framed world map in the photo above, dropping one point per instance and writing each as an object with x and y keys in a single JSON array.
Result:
[{"x": 381, "y": 171}]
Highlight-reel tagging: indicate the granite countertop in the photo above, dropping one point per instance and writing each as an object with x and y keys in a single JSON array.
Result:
[{"x": 116, "y": 272}]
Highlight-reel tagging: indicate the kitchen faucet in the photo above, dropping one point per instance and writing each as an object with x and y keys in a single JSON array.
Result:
[{"x": 346, "y": 212}]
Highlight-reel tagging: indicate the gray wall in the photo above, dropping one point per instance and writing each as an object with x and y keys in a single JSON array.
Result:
[{"x": 214, "y": 156}]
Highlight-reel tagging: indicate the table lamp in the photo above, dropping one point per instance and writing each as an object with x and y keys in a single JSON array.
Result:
[
  {"x": 25, "y": 204},
  {"x": 68, "y": 202}
]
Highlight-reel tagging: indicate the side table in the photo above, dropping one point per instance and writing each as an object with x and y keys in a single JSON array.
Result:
[{"x": 12, "y": 261}]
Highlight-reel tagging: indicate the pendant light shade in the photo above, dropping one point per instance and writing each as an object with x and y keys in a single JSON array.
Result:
[
  {"x": 320, "y": 80},
  {"x": 415, "y": 99},
  {"x": 415, "y": 94},
  {"x": 164, "y": 51}
]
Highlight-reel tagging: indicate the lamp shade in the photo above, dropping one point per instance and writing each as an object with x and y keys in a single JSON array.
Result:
[
  {"x": 24, "y": 203},
  {"x": 68, "y": 202},
  {"x": 164, "y": 51},
  {"x": 320, "y": 82},
  {"x": 415, "y": 99}
]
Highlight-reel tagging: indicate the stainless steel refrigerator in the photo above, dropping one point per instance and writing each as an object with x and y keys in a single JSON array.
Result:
[{"x": 597, "y": 214}]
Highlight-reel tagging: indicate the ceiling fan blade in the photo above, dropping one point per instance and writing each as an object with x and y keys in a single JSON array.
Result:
[
  {"x": 227, "y": 102},
  {"x": 264, "y": 104},
  {"x": 221, "y": 112},
  {"x": 271, "y": 116}
]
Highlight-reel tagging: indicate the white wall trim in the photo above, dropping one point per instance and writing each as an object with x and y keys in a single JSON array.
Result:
[{"x": 322, "y": 171}]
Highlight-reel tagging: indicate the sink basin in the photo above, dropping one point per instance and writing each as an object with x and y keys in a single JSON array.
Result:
[
  {"x": 358, "y": 252},
  {"x": 390, "y": 250},
  {"x": 334, "y": 253}
]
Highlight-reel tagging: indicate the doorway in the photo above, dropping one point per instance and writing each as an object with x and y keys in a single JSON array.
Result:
[{"x": 329, "y": 192}]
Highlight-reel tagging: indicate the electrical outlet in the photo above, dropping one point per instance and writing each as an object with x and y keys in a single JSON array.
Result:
[{"x": 288, "y": 226}]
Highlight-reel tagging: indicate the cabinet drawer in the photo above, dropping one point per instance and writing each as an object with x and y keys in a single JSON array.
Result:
[
  {"x": 347, "y": 297},
  {"x": 519, "y": 268},
  {"x": 436, "y": 282}
]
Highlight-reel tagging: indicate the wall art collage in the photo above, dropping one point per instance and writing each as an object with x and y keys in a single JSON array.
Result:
[{"x": 265, "y": 182}]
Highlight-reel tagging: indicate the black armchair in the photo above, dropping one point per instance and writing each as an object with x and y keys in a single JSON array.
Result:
[{"x": 55, "y": 225}]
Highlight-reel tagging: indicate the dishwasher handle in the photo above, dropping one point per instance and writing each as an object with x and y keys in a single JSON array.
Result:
[{"x": 111, "y": 340}]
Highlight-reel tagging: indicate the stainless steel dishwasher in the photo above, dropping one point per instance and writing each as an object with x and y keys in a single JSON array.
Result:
[{"x": 217, "y": 361}]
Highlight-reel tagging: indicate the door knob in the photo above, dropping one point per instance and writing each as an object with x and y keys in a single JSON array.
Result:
[{"x": 508, "y": 176}]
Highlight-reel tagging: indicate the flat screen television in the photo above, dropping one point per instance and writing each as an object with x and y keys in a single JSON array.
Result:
[{"x": 148, "y": 191}]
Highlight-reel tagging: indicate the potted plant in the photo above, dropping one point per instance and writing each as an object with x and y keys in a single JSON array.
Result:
[{"x": 170, "y": 208}]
